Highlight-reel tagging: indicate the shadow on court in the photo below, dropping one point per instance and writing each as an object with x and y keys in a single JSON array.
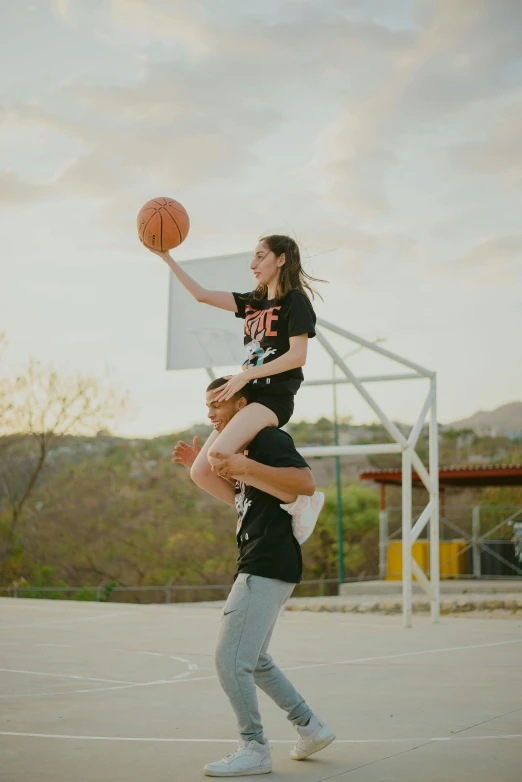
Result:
[{"x": 116, "y": 692}]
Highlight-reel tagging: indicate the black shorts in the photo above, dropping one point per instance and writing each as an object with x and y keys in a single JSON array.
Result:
[{"x": 282, "y": 404}]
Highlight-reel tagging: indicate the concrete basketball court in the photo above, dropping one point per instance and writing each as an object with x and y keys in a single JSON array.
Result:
[{"x": 110, "y": 692}]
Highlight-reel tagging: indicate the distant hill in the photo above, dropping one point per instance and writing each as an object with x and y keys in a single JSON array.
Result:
[{"x": 503, "y": 420}]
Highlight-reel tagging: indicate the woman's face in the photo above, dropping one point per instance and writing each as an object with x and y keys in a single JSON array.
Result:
[{"x": 265, "y": 265}]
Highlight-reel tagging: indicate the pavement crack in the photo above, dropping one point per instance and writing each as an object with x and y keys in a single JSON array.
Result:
[
  {"x": 485, "y": 722},
  {"x": 373, "y": 762}
]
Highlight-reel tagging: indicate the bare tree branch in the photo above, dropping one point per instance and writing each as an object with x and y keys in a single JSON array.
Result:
[{"x": 36, "y": 407}]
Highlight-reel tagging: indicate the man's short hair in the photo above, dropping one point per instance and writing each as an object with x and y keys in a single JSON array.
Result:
[{"x": 220, "y": 381}]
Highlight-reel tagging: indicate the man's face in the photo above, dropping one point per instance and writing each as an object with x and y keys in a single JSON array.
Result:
[{"x": 220, "y": 413}]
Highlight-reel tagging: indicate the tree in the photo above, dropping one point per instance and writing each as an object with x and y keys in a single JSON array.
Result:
[
  {"x": 5, "y": 396},
  {"x": 37, "y": 407},
  {"x": 360, "y": 506}
]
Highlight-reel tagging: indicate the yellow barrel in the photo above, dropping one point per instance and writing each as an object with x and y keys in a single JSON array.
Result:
[{"x": 448, "y": 550}]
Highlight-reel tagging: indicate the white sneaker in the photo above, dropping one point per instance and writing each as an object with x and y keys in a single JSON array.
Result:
[
  {"x": 318, "y": 735},
  {"x": 251, "y": 758},
  {"x": 304, "y": 511}
]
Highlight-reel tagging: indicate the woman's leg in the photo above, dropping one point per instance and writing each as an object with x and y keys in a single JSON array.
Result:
[
  {"x": 241, "y": 429},
  {"x": 202, "y": 475}
]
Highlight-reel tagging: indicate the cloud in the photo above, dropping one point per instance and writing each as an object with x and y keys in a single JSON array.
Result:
[
  {"x": 457, "y": 56},
  {"x": 63, "y": 10},
  {"x": 145, "y": 22},
  {"x": 17, "y": 192},
  {"x": 193, "y": 121},
  {"x": 490, "y": 252},
  {"x": 499, "y": 152},
  {"x": 140, "y": 22},
  {"x": 336, "y": 97},
  {"x": 172, "y": 126},
  {"x": 494, "y": 260}
]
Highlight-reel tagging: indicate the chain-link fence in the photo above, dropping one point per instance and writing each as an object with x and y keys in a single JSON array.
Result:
[
  {"x": 167, "y": 593},
  {"x": 479, "y": 541}
]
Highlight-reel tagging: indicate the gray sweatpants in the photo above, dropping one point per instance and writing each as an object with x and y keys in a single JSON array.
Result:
[{"x": 242, "y": 659}]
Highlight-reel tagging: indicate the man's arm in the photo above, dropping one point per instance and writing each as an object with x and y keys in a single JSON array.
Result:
[
  {"x": 186, "y": 454},
  {"x": 267, "y": 488},
  {"x": 287, "y": 481}
]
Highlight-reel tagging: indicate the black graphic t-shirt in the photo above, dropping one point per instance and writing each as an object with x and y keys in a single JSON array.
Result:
[
  {"x": 268, "y": 328},
  {"x": 267, "y": 546}
]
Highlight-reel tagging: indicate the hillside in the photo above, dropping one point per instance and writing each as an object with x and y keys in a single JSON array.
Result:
[
  {"x": 504, "y": 420},
  {"x": 117, "y": 511}
]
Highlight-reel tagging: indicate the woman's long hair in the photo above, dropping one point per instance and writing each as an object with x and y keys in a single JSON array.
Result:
[{"x": 292, "y": 275}]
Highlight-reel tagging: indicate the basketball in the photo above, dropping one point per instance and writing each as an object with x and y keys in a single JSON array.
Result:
[{"x": 163, "y": 224}]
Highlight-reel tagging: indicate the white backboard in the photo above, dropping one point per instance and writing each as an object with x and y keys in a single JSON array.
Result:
[{"x": 201, "y": 336}]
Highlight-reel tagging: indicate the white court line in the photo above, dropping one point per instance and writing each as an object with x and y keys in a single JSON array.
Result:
[
  {"x": 174, "y": 680},
  {"x": 402, "y": 654},
  {"x": 294, "y": 668},
  {"x": 67, "y": 676},
  {"x": 191, "y": 666},
  {"x": 154, "y": 654},
  {"x": 67, "y": 621},
  {"x": 413, "y": 739}
]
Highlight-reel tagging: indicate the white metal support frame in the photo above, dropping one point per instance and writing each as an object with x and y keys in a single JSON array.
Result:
[
  {"x": 410, "y": 461},
  {"x": 208, "y": 337}
]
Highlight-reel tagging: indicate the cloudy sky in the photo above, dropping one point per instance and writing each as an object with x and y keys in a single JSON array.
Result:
[{"x": 384, "y": 135}]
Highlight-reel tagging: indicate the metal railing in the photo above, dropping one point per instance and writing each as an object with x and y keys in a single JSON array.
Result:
[
  {"x": 105, "y": 590},
  {"x": 476, "y": 541}
]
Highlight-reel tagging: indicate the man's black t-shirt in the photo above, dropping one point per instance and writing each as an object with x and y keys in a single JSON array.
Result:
[
  {"x": 267, "y": 546},
  {"x": 268, "y": 328}
]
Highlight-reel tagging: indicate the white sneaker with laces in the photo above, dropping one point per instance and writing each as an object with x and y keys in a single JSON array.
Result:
[
  {"x": 304, "y": 511},
  {"x": 313, "y": 737},
  {"x": 251, "y": 758}
]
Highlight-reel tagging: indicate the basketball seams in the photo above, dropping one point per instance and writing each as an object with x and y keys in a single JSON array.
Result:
[
  {"x": 181, "y": 211},
  {"x": 170, "y": 203},
  {"x": 177, "y": 227},
  {"x": 158, "y": 207},
  {"x": 146, "y": 224}
]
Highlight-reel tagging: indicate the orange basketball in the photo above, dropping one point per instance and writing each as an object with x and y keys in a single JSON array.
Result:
[{"x": 163, "y": 224}]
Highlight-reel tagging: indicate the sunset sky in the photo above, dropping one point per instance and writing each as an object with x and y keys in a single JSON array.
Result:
[{"x": 385, "y": 136}]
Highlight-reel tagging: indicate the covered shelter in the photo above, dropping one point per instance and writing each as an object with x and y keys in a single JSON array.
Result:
[
  {"x": 470, "y": 476},
  {"x": 466, "y": 476}
]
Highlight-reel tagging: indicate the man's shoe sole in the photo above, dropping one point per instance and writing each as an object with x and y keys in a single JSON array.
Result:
[
  {"x": 316, "y": 748},
  {"x": 246, "y": 773}
]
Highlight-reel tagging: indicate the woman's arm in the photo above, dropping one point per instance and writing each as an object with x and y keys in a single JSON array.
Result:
[
  {"x": 222, "y": 299},
  {"x": 294, "y": 357}
]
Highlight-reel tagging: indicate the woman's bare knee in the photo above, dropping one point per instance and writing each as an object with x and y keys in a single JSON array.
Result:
[{"x": 240, "y": 430}]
